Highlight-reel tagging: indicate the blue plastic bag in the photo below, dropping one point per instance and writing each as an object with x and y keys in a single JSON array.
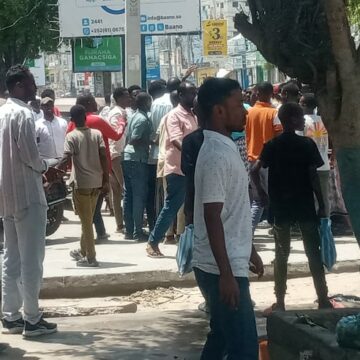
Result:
[
  {"x": 184, "y": 253},
  {"x": 348, "y": 332},
  {"x": 328, "y": 249}
]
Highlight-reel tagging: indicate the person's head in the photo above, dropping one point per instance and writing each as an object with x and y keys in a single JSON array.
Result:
[
  {"x": 221, "y": 104},
  {"x": 20, "y": 83},
  {"x": 291, "y": 116},
  {"x": 308, "y": 103},
  {"x": 107, "y": 99},
  {"x": 35, "y": 105},
  {"x": 47, "y": 106},
  {"x": 122, "y": 97},
  {"x": 253, "y": 95},
  {"x": 174, "y": 98},
  {"x": 134, "y": 91},
  {"x": 48, "y": 93},
  {"x": 157, "y": 89},
  {"x": 143, "y": 102},
  {"x": 290, "y": 92},
  {"x": 199, "y": 114},
  {"x": 78, "y": 115},
  {"x": 88, "y": 102},
  {"x": 187, "y": 93},
  {"x": 173, "y": 84},
  {"x": 265, "y": 92}
]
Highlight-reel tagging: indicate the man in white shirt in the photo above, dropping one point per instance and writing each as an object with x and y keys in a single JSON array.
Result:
[
  {"x": 222, "y": 224},
  {"x": 50, "y": 132},
  {"x": 117, "y": 118},
  {"x": 316, "y": 130},
  {"x": 23, "y": 207}
]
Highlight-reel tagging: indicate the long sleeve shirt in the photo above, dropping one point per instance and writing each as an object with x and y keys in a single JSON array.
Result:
[{"x": 21, "y": 167}]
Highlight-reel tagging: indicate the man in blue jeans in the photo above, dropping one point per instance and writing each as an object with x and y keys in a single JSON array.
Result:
[
  {"x": 222, "y": 224},
  {"x": 180, "y": 122},
  {"x": 135, "y": 169}
]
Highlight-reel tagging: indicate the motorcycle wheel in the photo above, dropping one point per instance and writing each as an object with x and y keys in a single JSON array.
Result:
[{"x": 54, "y": 217}]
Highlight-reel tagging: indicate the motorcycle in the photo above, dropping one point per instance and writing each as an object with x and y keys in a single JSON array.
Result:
[{"x": 56, "y": 194}]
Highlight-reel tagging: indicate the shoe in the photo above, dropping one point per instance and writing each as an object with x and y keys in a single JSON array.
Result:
[
  {"x": 84, "y": 262},
  {"x": 41, "y": 328},
  {"x": 141, "y": 238},
  {"x": 12, "y": 327},
  {"x": 120, "y": 230},
  {"x": 170, "y": 240},
  {"x": 76, "y": 255},
  {"x": 128, "y": 236},
  {"x": 104, "y": 237}
]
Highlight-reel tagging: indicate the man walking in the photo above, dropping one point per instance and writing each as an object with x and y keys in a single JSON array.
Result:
[
  {"x": 135, "y": 168},
  {"x": 50, "y": 131},
  {"x": 180, "y": 122},
  {"x": 262, "y": 125},
  {"x": 118, "y": 120},
  {"x": 23, "y": 208},
  {"x": 94, "y": 121},
  {"x": 222, "y": 225},
  {"x": 90, "y": 173},
  {"x": 293, "y": 161}
]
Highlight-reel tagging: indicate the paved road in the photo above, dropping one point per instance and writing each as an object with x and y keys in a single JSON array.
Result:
[{"x": 145, "y": 336}]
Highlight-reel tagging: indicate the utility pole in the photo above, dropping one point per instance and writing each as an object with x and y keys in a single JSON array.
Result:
[{"x": 132, "y": 43}]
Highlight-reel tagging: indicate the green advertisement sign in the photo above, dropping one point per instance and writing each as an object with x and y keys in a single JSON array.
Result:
[{"x": 97, "y": 54}]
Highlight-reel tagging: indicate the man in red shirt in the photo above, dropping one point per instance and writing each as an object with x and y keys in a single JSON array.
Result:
[{"x": 94, "y": 121}]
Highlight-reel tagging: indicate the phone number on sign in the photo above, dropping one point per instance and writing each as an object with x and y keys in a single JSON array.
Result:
[{"x": 108, "y": 30}]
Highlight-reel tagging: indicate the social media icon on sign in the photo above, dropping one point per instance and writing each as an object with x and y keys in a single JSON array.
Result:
[
  {"x": 143, "y": 18},
  {"x": 160, "y": 27},
  {"x": 152, "y": 27},
  {"x": 86, "y": 31},
  {"x": 85, "y": 22},
  {"x": 144, "y": 28}
]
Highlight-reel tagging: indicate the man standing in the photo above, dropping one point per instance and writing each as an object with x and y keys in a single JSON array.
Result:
[
  {"x": 161, "y": 106},
  {"x": 262, "y": 125},
  {"x": 222, "y": 225},
  {"x": 293, "y": 180},
  {"x": 86, "y": 148},
  {"x": 135, "y": 168},
  {"x": 23, "y": 207},
  {"x": 94, "y": 121},
  {"x": 118, "y": 120},
  {"x": 316, "y": 130},
  {"x": 180, "y": 122},
  {"x": 50, "y": 131}
]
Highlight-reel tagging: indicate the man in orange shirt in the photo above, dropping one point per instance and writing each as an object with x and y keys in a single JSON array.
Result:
[{"x": 262, "y": 125}]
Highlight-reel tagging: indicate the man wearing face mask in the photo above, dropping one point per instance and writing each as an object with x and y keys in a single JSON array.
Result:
[{"x": 180, "y": 122}]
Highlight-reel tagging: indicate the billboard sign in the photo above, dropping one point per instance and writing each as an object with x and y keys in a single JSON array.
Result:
[
  {"x": 215, "y": 37},
  {"x": 80, "y": 18},
  {"x": 97, "y": 54},
  {"x": 37, "y": 68}
]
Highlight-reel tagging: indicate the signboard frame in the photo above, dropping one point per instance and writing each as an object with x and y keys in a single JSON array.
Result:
[{"x": 215, "y": 41}]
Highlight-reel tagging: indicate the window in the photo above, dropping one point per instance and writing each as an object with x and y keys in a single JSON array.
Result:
[
  {"x": 221, "y": 5},
  {"x": 235, "y": 4}
]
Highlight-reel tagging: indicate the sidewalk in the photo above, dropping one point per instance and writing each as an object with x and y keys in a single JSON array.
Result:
[{"x": 125, "y": 268}]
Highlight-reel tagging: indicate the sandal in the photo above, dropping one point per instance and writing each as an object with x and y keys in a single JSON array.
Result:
[
  {"x": 273, "y": 308},
  {"x": 153, "y": 253}
]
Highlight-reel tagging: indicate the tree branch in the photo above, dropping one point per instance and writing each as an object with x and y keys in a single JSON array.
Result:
[{"x": 343, "y": 46}]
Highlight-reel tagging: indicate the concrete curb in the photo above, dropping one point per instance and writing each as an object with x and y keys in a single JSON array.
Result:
[{"x": 125, "y": 284}]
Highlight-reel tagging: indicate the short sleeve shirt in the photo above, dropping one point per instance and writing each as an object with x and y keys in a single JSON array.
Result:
[
  {"x": 221, "y": 177},
  {"x": 140, "y": 128},
  {"x": 84, "y": 145},
  {"x": 289, "y": 158}
]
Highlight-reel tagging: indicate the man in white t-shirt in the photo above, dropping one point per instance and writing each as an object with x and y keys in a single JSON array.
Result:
[
  {"x": 222, "y": 224},
  {"x": 50, "y": 132},
  {"x": 316, "y": 130}
]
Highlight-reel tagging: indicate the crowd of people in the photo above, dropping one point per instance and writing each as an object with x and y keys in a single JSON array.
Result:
[{"x": 216, "y": 157}]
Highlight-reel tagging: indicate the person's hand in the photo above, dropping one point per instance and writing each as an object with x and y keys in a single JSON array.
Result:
[
  {"x": 189, "y": 71},
  {"x": 322, "y": 212},
  {"x": 105, "y": 188},
  {"x": 229, "y": 291},
  {"x": 53, "y": 174},
  {"x": 256, "y": 264}
]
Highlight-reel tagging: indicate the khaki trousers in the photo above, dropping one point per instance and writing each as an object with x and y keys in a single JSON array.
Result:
[
  {"x": 85, "y": 203},
  {"x": 117, "y": 190}
]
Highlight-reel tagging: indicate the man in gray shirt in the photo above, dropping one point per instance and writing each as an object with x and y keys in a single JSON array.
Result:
[{"x": 135, "y": 169}]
